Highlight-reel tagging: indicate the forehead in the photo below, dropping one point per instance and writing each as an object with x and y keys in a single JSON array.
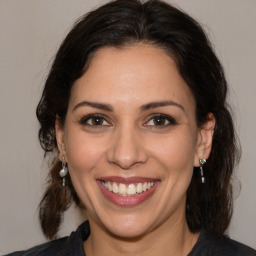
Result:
[{"x": 132, "y": 74}]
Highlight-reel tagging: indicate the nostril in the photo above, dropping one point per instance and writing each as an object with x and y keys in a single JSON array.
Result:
[
  {"x": 127, "y": 159},
  {"x": 125, "y": 164},
  {"x": 126, "y": 149}
]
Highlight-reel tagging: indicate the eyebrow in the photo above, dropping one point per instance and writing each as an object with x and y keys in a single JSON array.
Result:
[
  {"x": 145, "y": 107},
  {"x": 157, "y": 104},
  {"x": 101, "y": 106}
]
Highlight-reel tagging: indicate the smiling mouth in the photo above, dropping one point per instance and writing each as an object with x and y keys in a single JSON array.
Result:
[
  {"x": 131, "y": 189},
  {"x": 127, "y": 192}
]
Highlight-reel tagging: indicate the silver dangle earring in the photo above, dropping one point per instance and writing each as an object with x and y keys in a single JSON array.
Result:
[
  {"x": 202, "y": 162},
  {"x": 63, "y": 172}
]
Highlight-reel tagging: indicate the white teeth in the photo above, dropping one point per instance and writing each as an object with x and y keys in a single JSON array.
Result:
[
  {"x": 131, "y": 190},
  {"x": 139, "y": 188},
  {"x": 127, "y": 190},
  {"x": 122, "y": 189},
  {"x": 115, "y": 188},
  {"x": 109, "y": 186}
]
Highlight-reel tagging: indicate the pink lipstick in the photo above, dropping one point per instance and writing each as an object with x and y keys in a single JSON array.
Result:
[{"x": 127, "y": 191}]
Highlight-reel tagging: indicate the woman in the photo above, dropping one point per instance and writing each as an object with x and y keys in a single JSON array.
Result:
[{"x": 134, "y": 113}]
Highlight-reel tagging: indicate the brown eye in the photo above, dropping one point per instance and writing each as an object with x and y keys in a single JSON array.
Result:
[
  {"x": 94, "y": 120},
  {"x": 161, "y": 121}
]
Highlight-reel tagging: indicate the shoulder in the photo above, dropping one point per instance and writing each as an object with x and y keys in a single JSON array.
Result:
[
  {"x": 50, "y": 248},
  {"x": 211, "y": 245},
  {"x": 66, "y": 246},
  {"x": 234, "y": 248}
]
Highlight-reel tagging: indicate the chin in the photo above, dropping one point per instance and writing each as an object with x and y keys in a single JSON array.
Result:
[
  {"x": 128, "y": 231},
  {"x": 127, "y": 226}
]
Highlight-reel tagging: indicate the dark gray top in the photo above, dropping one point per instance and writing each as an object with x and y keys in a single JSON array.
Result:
[{"x": 207, "y": 245}]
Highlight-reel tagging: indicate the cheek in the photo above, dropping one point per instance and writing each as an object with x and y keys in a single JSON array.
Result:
[
  {"x": 173, "y": 157},
  {"x": 84, "y": 156},
  {"x": 175, "y": 153},
  {"x": 83, "y": 152}
]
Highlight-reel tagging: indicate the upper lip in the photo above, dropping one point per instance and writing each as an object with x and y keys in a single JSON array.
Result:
[{"x": 127, "y": 180}]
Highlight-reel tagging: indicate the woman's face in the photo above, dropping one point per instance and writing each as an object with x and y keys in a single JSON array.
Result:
[{"x": 130, "y": 140}]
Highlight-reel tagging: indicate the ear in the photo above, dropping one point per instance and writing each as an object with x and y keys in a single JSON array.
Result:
[
  {"x": 59, "y": 132},
  {"x": 204, "y": 140}
]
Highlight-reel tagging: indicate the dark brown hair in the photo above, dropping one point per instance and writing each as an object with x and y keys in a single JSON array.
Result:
[{"x": 127, "y": 22}]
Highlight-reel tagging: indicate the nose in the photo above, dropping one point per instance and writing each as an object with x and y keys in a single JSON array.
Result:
[{"x": 127, "y": 148}]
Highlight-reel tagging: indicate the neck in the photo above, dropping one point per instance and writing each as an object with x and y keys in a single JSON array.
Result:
[{"x": 167, "y": 239}]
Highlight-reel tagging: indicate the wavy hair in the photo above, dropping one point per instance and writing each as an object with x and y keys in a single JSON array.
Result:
[{"x": 126, "y": 22}]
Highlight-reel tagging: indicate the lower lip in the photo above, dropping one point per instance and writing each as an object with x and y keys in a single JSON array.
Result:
[{"x": 127, "y": 200}]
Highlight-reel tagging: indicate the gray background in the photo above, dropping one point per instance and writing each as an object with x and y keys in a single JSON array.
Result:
[{"x": 31, "y": 31}]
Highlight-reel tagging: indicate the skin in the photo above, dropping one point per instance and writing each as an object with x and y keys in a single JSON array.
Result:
[{"x": 128, "y": 142}]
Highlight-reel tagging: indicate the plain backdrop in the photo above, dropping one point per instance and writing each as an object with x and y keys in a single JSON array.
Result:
[{"x": 30, "y": 33}]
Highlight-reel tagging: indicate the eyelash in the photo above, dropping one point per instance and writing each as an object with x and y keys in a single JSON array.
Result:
[
  {"x": 171, "y": 121},
  {"x": 84, "y": 120}
]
